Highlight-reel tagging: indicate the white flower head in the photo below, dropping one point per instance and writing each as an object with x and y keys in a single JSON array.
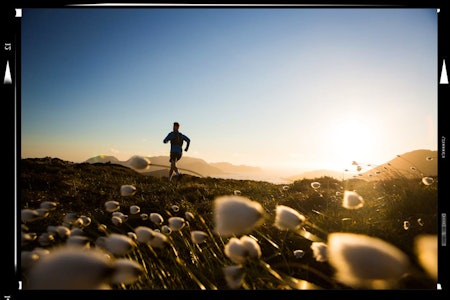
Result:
[
  {"x": 176, "y": 223},
  {"x": 241, "y": 250},
  {"x": 198, "y": 236},
  {"x": 406, "y": 225},
  {"x": 50, "y": 205},
  {"x": 299, "y": 253},
  {"x": 134, "y": 209},
  {"x": 363, "y": 261},
  {"x": 127, "y": 190},
  {"x": 234, "y": 275},
  {"x": 69, "y": 268},
  {"x": 138, "y": 162},
  {"x": 352, "y": 200},
  {"x": 288, "y": 218},
  {"x": 315, "y": 185},
  {"x": 158, "y": 240},
  {"x": 116, "y": 220},
  {"x": 143, "y": 234},
  {"x": 156, "y": 218},
  {"x": 166, "y": 229},
  {"x": 427, "y": 180},
  {"x": 426, "y": 249},
  {"x": 112, "y": 206},
  {"x": 320, "y": 252},
  {"x": 189, "y": 216},
  {"x": 125, "y": 271},
  {"x": 119, "y": 244},
  {"x": 236, "y": 215}
]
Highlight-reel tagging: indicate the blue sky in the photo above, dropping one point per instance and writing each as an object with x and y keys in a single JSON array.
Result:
[{"x": 296, "y": 88}]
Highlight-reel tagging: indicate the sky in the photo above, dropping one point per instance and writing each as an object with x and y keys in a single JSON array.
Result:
[{"x": 295, "y": 88}]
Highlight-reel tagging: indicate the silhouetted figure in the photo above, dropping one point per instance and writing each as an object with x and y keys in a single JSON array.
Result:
[{"x": 176, "y": 139}]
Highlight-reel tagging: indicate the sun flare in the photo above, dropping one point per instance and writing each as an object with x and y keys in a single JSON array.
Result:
[{"x": 352, "y": 140}]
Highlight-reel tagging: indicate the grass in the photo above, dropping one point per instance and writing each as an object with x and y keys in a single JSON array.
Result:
[{"x": 184, "y": 265}]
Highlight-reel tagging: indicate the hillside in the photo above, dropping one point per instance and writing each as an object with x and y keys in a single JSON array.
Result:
[{"x": 413, "y": 164}]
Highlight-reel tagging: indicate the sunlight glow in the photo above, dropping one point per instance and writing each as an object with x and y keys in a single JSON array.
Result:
[{"x": 352, "y": 139}]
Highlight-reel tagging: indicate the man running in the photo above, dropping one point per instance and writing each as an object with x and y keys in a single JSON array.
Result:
[{"x": 176, "y": 139}]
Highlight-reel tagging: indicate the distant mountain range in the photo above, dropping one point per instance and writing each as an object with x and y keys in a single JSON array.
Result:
[
  {"x": 159, "y": 166},
  {"x": 417, "y": 163}
]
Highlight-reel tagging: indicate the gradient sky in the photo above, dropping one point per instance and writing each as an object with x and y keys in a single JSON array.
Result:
[{"x": 294, "y": 88}]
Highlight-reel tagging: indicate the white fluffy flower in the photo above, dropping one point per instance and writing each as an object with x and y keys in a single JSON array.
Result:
[
  {"x": 426, "y": 249},
  {"x": 71, "y": 268},
  {"x": 134, "y": 209},
  {"x": 119, "y": 244},
  {"x": 112, "y": 206},
  {"x": 138, "y": 162},
  {"x": 127, "y": 190},
  {"x": 198, "y": 236},
  {"x": 427, "y": 180},
  {"x": 315, "y": 185},
  {"x": 176, "y": 223},
  {"x": 362, "y": 261},
  {"x": 320, "y": 251},
  {"x": 352, "y": 200},
  {"x": 156, "y": 218},
  {"x": 236, "y": 215},
  {"x": 241, "y": 250},
  {"x": 287, "y": 218},
  {"x": 234, "y": 275}
]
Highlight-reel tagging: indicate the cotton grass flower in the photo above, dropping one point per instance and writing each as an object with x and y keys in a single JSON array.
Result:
[
  {"x": 29, "y": 215},
  {"x": 363, "y": 261},
  {"x": 126, "y": 271},
  {"x": 320, "y": 251},
  {"x": 426, "y": 250},
  {"x": 198, "y": 236},
  {"x": 406, "y": 225},
  {"x": 156, "y": 218},
  {"x": 134, "y": 209},
  {"x": 127, "y": 190},
  {"x": 49, "y": 205},
  {"x": 315, "y": 185},
  {"x": 116, "y": 220},
  {"x": 287, "y": 218},
  {"x": 166, "y": 229},
  {"x": 189, "y": 216},
  {"x": 70, "y": 218},
  {"x": 242, "y": 250},
  {"x": 68, "y": 268},
  {"x": 234, "y": 276},
  {"x": 143, "y": 234},
  {"x": 118, "y": 244},
  {"x": 352, "y": 200},
  {"x": 62, "y": 231},
  {"x": 427, "y": 180},
  {"x": 158, "y": 240},
  {"x": 112, "y": 206},
  {"x": 138, "y": 162},
  {"x": 299, "y": 253},
  {"x": 236, "y": 215},
  {"x": 176, "y": 223}
]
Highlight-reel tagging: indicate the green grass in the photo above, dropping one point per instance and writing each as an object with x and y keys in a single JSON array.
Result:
[{"x": 84, "y": 188}]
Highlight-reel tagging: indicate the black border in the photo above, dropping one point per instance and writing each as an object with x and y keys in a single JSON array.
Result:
[{"x": 11, "y": 95}]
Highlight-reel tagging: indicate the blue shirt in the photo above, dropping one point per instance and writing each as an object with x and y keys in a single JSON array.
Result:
[{"x": 176, "y": 148}]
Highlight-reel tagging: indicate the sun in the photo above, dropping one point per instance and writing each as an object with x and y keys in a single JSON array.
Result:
[{"x": 352, "y": 139}]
